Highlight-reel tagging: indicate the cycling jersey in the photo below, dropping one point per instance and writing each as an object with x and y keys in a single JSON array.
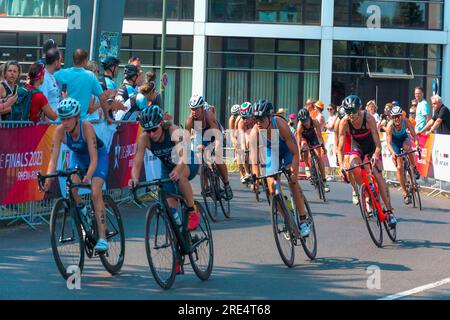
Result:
[
  {"x": 362, "y": 141},
  {"x": 163, "y": 150},
  {"x": 126, "y": 91},
  {"x": 309, "y": 134},
  {"x": 80, "y": 155},
  {"x": 285, "y": 156},
  {"x": 399, "y": 137}
]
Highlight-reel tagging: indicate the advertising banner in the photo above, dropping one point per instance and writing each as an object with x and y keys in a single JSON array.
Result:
[
  {"x": 121, "y": 155},
  {"x": 22, "y": 160},
  {"x": 441, "y": 157}
]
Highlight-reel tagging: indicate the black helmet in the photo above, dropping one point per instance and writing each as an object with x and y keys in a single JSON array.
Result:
[
  {"x": 341, "y": 112},
  {"x": 352, "y": 104},
  {"x": 110, "y": 62},
  {"x": 151, "y": 117},
  {"x": 262, "y": 108},
  {"x": 303, "y": 115},
  {"x": 130, "y": 71}
]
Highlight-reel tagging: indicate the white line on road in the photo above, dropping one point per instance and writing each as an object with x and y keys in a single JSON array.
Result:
[{"x": 417, "y": 290}]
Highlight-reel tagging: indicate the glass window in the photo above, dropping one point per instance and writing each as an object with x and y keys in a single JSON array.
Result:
[
  {"x": 394, "y": 14},
  {"x": 43, "y": 8},
  {"x": 152, "y": 9},
  {"x": 29, "y": 39},
  {"x": 142, "y": 41},
  {"x": 8, "y": 39},
  {"x": 265, "y": 11},
  {"x": 282, "y": 70}
]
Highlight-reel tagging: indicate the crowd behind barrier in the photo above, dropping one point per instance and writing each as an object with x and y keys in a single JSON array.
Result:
[{"x": 20, "y": 162}]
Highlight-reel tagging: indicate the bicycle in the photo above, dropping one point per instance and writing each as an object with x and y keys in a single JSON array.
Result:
[
  {"x": 166, "y": 242},
  {"x": 412, "y": 187},
  {"x": 72, "y": 234},
  {"x": 316, "y": 174},
  {"x": 213, "y": 189},
  {"x": 286, "y": 222},
  {"x": 370, "y": 206}
]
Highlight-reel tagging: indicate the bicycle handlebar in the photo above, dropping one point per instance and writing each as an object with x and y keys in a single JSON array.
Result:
[
  {"x": 140, "y": 185},
  {"x": 404, "y": 154},
  {"x": 359, "y": 166},
  {"x": 284, "y": 170}
]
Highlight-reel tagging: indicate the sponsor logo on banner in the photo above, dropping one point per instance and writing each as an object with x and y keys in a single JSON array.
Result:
[{"x": 441, "y": 157}]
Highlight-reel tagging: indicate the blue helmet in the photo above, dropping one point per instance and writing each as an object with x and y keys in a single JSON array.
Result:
[
  {"x": 151, "y": 117},
  {"x": 68, "y": 108}
]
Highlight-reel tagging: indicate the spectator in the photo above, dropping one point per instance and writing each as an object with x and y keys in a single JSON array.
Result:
[
  {"x": 94, "y": 113},
  {"x": 319, "y": 106},
  {"x": 440, "y": 123},
  {"x": 310, "y": 107},
  {"x": 372, "y": 108},
  {"x": 8, "y": 88},
  {"x": 2, "y": 69},
  {"x": 137, "y": 102},
  {"x": 422, "y": 111},
  {"x": 128, "y": 88},
  {"x": 293, "y": 122},
  {"x": 385, "y": 118},
  {"x": 11, "y": 73},
  {"x": 141, "y": 76},
  {"x": 82, "y": 85},
  {"x": 151, "y": 77},
  {"x": 332, "y": 118},
  {"x": 39, "y": 103},
  {"x": 412, "y": 112},
  {"x": 50, "y": 44},
  {"x": 50, "y": 87},
  {"x": 111, "y": 67}
]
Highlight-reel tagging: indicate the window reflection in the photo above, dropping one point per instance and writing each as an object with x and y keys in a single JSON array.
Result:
[{"x": 42, "y": 8}]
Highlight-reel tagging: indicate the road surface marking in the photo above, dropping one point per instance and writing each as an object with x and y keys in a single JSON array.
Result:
[{"x": 417, "y": 290}]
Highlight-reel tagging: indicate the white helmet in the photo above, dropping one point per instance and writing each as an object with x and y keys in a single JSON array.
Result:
[
  {"x": 396, "y": 111},
  {"x": 235, "y": 110},
  {"x": 196, "y": 101}
]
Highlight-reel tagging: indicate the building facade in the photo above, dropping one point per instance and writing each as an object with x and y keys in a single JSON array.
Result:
[{"x": 287, "y": 51}]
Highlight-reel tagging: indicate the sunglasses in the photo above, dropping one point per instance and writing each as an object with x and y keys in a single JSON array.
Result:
[
  {"x": 330, "y": 109},
  {"x": 152, "y": 130},
  {"x": 351, "y": 111},
  {"x": 412, "y": 113},
  {"x": 260, "y": 118}
]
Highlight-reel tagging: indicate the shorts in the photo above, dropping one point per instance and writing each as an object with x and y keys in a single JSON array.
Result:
[
  {"x": 83, "y": 161},
  {"x": 172, "y": 187},
  {"x": 363, "y": 151},
  {"x": 284, "y": 160},
  {"x": 397, "y": 144}
]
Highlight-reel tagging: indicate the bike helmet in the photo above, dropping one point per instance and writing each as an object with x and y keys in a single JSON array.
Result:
[
  {"x": 110, "y": 62},
  {"x": 130, "y": 71},
  {"x": 352, "y": 104},
  {"x": 196, "y": 101},
  {"x": 262, "y": 108},
  {"x": 395, "y": 103},
  {"x": 151, "y": 117},
  {"x": 396, "y": 111},
  {"x": 303, "y": 115},
  {"x": 235, "y": 110},
  {"x": 246, "y": 110},
  {"x": 68, "y": 108},
  {"x": 341, "y": 113}
]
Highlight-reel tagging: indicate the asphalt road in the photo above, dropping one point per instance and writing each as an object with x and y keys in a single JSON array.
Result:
[{"x": 246, "y": 262}]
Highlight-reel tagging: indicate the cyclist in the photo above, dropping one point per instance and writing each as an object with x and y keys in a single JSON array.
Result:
[
  {"x": 89, "y": 154},
  {"x": 266, "y": 126},
  {"x": 157, "y": 137},
  {"x": 232, "y": 124},
  {"x": 208, "y": 121},
  {"x": 365, "y": 143},
  {"x": 244, "y": 128},
  {"x": 347, "y": 150},
  {"x": 309, "y": 136},
  {"x": 398, "y": 139}
]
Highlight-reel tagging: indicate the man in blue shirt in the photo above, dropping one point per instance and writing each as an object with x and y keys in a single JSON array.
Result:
[
  {"x": 423, "y": 110},
  {"x": 82, "y": 84}
]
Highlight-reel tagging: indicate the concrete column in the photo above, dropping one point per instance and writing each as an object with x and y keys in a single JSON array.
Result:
[
  {"x": 199, "y": 54},
  {"x": 326, "y": 52},
  {"x": 445, "y": 85}
]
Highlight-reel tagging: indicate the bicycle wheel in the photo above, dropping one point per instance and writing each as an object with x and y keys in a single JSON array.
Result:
[
  {"x": 160, "y": 246},
  {"x": 202, "y": 247},
  {"x": 370, "y": 214},
  {"x": 320, "y": 186},
  {"x": 391, "y": 231},
  {"x": 309, "y": 243},
  {"x": 282, "y": 230},
  {"x": 66, "y": 238},
  {"x": 208, "y": 192},
  {"x": 224, "y": 204},
  {"x": 113, "y": 259},
  {"x": 414, "y": 189},
  {"x": 315, "y": 179}
]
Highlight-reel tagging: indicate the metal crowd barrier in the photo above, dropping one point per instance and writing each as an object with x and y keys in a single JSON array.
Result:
[{"x": 37, "y": 212}]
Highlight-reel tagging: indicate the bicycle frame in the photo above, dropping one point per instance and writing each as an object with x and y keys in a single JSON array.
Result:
[
  {"x": 382, "y": 216},
  {"x": 184, "y": 246}
]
